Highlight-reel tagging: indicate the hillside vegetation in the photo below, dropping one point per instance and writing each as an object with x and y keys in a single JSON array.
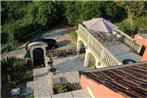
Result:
[{"x": 21, "y": 18}]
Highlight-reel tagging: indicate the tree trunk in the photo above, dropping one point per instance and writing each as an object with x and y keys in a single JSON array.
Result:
[
  {"x": 9, "y": 77},
  {"x": 130, "y": 21}
]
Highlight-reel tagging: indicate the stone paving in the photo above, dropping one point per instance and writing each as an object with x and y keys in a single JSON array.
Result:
[
  {"x": 67, "y": 77},
  {"x": 30, "y": 87},
  {"x": 70, "y": 63},
  {"x": 67, "y": 68},
  {"x": 42, "y": 83}
]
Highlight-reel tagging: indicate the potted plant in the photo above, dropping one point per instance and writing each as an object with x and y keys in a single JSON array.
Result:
[
  {"x": 53, "y": 70},
  {"x": 50, "y": 62}
]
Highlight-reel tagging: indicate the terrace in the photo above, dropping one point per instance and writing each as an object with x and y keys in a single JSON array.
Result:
[
  {"x": 114, "y": 44},
  {"x": 111, "y": 49}
]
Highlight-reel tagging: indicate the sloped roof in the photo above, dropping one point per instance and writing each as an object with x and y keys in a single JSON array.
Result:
[
  {"x": 99, "y": 25},
  {"x": 130, "y": 81}
]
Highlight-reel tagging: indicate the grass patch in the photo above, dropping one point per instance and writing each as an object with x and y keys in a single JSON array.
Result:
[{"x": 73, "y": 35}]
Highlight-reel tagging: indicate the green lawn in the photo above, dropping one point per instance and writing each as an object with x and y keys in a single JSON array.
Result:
[{"x": 73, "y": 35}]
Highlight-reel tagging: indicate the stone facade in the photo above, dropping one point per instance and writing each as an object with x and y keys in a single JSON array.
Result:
[{"x": 41, "y": 45}]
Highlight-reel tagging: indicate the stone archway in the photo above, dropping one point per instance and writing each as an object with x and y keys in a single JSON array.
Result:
[
  {"x": 80, "y": 46},
  {"x": 38, "y": 54},
  {"x": 90, "y": 61},
  {"x": 38, "y": 57}
]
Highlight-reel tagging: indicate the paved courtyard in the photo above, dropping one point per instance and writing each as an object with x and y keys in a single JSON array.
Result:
[
  {"x": 70, "y": 63},
  {"x": 66, "y": 67}
]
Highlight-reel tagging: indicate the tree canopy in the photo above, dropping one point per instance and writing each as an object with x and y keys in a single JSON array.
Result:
[{"x": 20, "y": 18}]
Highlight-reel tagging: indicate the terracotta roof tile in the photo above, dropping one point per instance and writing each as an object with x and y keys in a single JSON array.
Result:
[{"x": 129, "y": 81}]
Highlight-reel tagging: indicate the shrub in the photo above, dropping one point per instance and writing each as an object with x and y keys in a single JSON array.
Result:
[
  {"x": 11, "y": 62},
  {"x": 65, "y": 88},
  {"x": 73, "y": 35},
  {"x": 52, "y": 69},
  {"x": 139, "y": 22}
]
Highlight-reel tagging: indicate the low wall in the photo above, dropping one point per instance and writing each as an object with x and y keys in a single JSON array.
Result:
[
  {"x": 141, "y": 40},
  {"x": 63, "y": 52}
]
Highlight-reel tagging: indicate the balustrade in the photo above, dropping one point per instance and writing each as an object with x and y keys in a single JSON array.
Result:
[
  {"x": 99, "y": 50},
  {"x": 130, "y": 42}
]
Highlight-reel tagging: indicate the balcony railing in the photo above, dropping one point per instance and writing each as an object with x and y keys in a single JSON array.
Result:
[
  {"x": 105, "y": 57},
  {"x": 130, "y": 42}
]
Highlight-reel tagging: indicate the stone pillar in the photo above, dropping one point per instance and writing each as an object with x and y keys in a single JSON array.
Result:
[
  {"x": 86, "y": 60},
  {"x": 46, "y": 59},
  {"x": 78, "y": 47},
  {"x": 98, "y": 64},
  {"x": 31, "y": 54}
]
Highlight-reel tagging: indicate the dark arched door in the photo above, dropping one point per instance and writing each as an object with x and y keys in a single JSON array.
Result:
[{"x": 38, "y": 57}]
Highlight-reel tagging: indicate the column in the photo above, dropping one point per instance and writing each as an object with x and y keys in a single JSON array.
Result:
[
  {"x": 78, "y": 46},
  {"x": 86, "y": 60},
  {"x": 31, "y": 53}
]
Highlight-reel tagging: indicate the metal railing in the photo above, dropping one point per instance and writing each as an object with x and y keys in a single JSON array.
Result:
[{"x": 106, "y": 58}]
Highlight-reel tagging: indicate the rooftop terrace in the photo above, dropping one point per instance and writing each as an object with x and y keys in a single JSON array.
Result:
[
  {"x": 112, "y": 48},
  {"x": 117, "y": 47}
]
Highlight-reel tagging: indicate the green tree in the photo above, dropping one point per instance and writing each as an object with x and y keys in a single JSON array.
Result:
[
  {"x": 77, "y": 12},
  {"x": 133, "y": 8},
  {"x": 10, "y": 65},
  {"x": 22, "y": 18}
]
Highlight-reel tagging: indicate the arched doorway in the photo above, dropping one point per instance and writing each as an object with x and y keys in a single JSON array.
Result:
[{"x": 38, "y": 57}]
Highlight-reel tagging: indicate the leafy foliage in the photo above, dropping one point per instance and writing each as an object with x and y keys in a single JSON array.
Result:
[
  {"x": 77, "y": 12},
  {"x": 133, "y": 9},
  {"x": 52, "y": 69},
  {"x": 11, "y": 62},
  {"x": 16, "y": 64},
  {"x": 65, "y": 88},
  {"x": 138, "y": 24},
  {"x": 24, "y": 17}
]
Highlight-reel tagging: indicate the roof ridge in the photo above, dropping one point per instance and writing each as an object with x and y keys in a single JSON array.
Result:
[{"x": 114, "y": 67}]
